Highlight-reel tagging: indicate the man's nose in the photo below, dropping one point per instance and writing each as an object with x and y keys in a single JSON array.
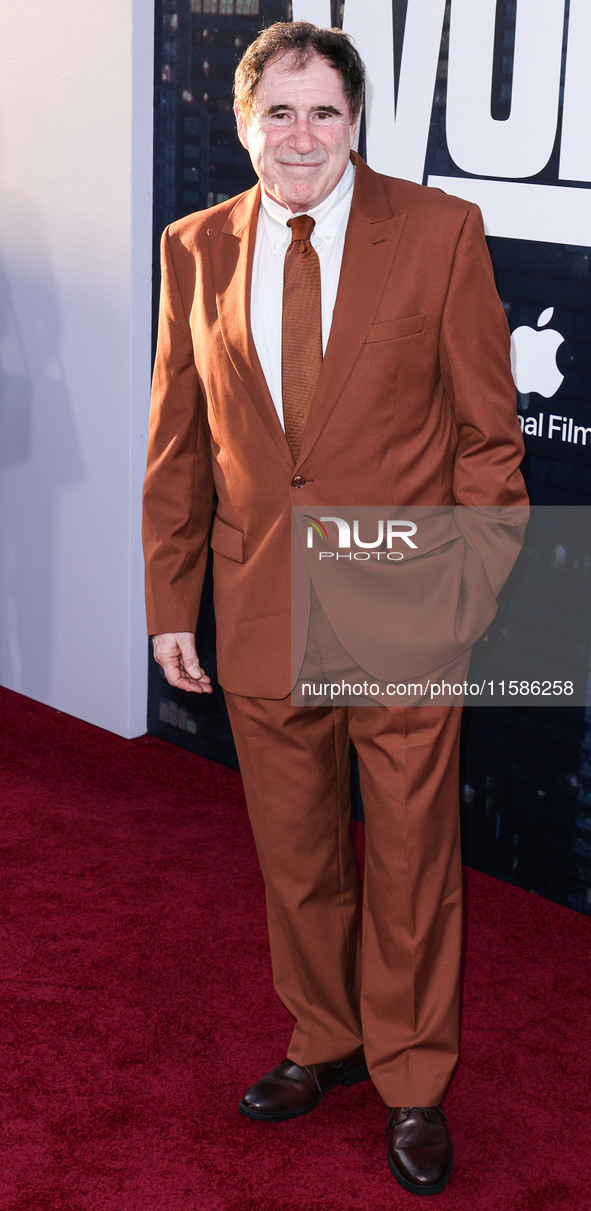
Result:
[{"x": 302, "y": 135}]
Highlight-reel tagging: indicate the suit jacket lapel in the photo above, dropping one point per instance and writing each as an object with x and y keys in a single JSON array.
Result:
[
  {"x": 372, "y": 237},
  {"x": 232, "y": 255}
]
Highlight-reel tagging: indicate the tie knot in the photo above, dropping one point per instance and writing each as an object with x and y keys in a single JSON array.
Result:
[{"x": 301, "y": 227}]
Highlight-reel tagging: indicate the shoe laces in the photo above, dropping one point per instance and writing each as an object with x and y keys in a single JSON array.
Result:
[
  {"x": 404, "y": 1112},
  {"x": 311, "y": 1069}
]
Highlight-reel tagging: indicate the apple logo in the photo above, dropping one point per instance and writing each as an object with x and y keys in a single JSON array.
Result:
[{"x": 533, "y": 357}]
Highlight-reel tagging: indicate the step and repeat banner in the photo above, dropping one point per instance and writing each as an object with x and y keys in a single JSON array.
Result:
[{"x": 492, "y": 102}]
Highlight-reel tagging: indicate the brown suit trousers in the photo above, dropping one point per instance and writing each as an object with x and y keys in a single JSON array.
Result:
[{"x": 395, "y": 986}]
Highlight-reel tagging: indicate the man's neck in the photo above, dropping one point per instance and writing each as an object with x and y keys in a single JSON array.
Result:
[{"x": 279, "y": 211}]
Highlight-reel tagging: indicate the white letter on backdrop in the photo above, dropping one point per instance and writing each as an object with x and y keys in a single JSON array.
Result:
[
  {"x": 521, "y": 145},
  {"x": 397, "y": 142},
  {"x": 575, "y": 150}
]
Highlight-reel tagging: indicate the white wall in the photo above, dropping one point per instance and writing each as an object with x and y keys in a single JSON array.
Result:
[{"x": 75, "y": 295}]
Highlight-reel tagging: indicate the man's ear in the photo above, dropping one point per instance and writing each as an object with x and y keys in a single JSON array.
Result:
[{"x": 241, "y": 125}]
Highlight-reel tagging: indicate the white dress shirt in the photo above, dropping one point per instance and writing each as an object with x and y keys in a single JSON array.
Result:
[{"x": 272, "y": 241}]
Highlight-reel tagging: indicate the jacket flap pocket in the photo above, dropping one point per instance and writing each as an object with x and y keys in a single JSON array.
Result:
[
  {"x": 391, "y": 330},
  {"x": 227, "y": 540}
]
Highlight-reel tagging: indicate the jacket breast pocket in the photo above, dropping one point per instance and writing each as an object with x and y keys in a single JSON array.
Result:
[
  {"x": 227, "y": 540},
  {"x": 393, "y": 330}
]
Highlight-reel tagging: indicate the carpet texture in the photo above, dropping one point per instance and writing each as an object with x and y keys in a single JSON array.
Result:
[{"x": 136, "y": 1006}]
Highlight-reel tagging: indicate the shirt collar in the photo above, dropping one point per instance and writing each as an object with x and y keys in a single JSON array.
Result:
[{"x": 327, "y": 215}]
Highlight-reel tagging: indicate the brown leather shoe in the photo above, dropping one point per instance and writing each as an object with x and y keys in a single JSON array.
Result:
[
  {"x": 420, "y": 1154},
  {"x": 288, "y": 1090}
]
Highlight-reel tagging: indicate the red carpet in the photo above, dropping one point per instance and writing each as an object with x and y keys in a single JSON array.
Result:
[{"x": 136, "y": 1006}]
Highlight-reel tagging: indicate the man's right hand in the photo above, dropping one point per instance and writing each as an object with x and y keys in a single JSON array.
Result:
[{"x": 175, "y": 652}]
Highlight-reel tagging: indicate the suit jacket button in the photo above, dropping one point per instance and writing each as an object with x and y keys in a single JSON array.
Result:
[{"x": 298, "y": 481}]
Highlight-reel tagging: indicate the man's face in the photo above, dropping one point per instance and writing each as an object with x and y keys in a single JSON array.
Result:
[{"x": 300, "y": 132}]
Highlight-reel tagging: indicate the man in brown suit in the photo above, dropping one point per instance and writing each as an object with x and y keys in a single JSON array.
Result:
[{"x": 413, "y": 405}]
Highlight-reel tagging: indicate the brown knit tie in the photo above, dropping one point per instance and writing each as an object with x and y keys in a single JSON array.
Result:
[{"x": 302, "y": 330}]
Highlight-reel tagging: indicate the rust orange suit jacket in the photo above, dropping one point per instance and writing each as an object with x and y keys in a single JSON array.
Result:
[{"x": 415, "y": 405}]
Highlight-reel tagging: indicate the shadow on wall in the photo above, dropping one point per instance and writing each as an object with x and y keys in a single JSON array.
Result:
[{"x": 39, "y": 450}]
